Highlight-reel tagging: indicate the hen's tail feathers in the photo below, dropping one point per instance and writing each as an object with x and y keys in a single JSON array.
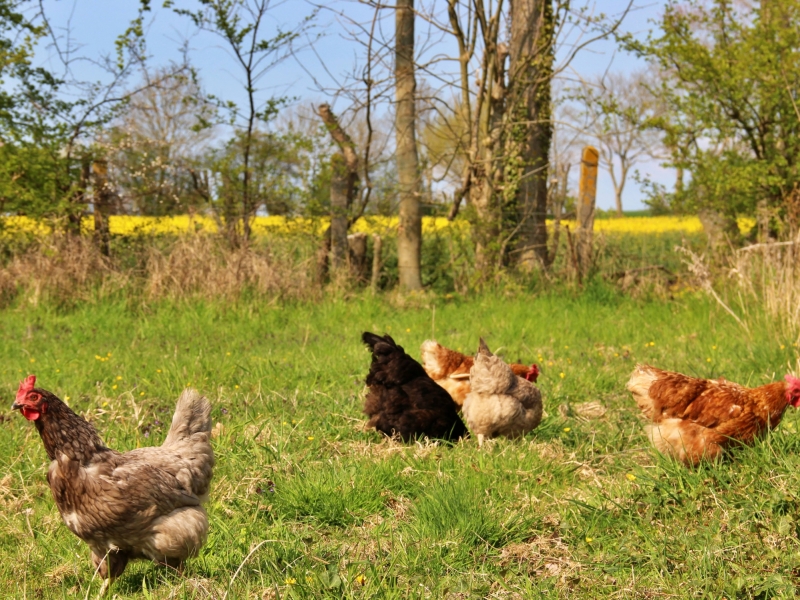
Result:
[
  {"x": 483, "y": 348},
  {"x": 639, "y": 385},
  {"x": 430, "y": 352},
  {"x": 192, "y": 415},
  {"x": 371, "y": 339}
]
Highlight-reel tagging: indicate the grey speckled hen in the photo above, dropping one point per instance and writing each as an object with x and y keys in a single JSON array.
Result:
[
  {"x": 146, "y": 503},
  {"x": 499, "y": 402}
]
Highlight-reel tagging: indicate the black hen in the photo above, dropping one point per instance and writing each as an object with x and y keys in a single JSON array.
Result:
[{"x": 403, "y": 400}]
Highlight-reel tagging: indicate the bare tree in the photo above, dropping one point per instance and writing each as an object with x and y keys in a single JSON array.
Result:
[
  {"x": 152, "y": 145},
  {"x": 409, "y": 235},
  {"x": 616, "y": 110},
  {"x": 344, "y": 185},
  {"x": 241, "y": 23}
]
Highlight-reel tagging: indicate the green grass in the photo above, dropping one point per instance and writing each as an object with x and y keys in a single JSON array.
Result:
[{"x": 581, "y": 507}]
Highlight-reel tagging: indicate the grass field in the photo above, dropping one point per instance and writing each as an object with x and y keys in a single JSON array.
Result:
[{"x": 311, "y": 506}]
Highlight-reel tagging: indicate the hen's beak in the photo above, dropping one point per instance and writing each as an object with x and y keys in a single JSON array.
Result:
[{"x": 16, "y": 406}]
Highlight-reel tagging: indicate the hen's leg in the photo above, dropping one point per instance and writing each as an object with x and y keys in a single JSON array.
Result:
[
  {"x": 109, "y": 566},
  {"x": 480, "y": 440},
  {"x": 175, "y": 564}
]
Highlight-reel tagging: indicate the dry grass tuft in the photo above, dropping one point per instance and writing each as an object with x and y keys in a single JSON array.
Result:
[
  {"x": 766, "y": 275},
  {"x": 203, "y": 266},
  {"x": 66, "y": 269},
  {"x": 770, "y": 273},
  {"x": 58, "y": 268}
]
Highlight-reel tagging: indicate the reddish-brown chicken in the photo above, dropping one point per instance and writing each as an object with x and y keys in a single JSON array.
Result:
[
  {"x": 146, "y": 503},
  {"x": 450, "y": 369},
  {"x": 698, "y": 418}
]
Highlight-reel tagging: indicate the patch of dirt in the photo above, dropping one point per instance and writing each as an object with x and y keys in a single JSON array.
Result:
[{"x": 542, "y": 556}]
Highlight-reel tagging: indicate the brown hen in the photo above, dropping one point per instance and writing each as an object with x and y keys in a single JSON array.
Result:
[
  {"x": 146, "y": 503},
  {"x": 698, "y": 418}
]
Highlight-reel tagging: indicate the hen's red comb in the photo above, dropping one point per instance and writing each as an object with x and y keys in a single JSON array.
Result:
[
  {"x": 26, "y": 386},
  {"x": 794, "y": 382}
]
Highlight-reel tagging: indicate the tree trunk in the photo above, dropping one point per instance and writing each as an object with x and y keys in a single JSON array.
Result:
[
  {"x": 489, "y": 166},
  {"x": 344, "y": 186},
  {"x": 102, "y": 206},
  {"x": 339, "y": 206},
  {"x": 409, "y": 235},
  {"x": 530, "y": 132},
  {"x": 618, "y": 201},
  {"x": 377, "y": 247}
]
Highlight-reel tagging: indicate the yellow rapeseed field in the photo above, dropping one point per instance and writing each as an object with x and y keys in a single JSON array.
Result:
[{"x": 135, "y": 225}]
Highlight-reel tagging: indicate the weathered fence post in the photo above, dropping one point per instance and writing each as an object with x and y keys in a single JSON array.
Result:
[
  {"x": 587, "y": 193},
  {"x": 357, "y": 257}
]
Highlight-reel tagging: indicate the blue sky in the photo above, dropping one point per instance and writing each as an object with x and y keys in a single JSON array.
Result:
[{"x": 94, "y": 25}]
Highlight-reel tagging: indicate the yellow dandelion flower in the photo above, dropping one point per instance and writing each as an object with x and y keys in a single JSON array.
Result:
[
  {"x": 361, "y": 579},
  {"x": 566, "y": 347},
  {"x": 113, "y": 387},
  {"x": 33, "y": 360},
  {"x": 141, "y": 393},
  {"x": 589, "y": 540},
  {"x": 408, "y": 330},
  {"x": 310, "y": 438},
  {"x": 631, "y": 477},
  {"x": 58, "y": 370},
  {"x": 567, "y": 429},
  {"x": 782, "y": 348},
  {"x": 708, "y": 360},
  {"x": 189, "y": 384},
  {"x": 290, "y": 581},
  {"x": 561, "y": 375},
  {"x": 66, "y": 398},
  {"x": 119, "y": 377},
  {"x": 227, "y": 354},
  {"x": 105, "y": 404},
  {"x": 236, "y": 387},
  {"x": 713, "y": 347}
]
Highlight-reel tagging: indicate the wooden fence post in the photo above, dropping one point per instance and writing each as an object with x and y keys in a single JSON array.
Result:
[
  {"x": 357, "y": 256},
  {"x": 587, "y": 193}
]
